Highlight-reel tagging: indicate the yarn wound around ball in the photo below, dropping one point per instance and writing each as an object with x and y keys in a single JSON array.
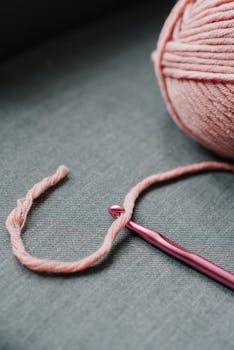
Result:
[{"x": 194, "y": 63}]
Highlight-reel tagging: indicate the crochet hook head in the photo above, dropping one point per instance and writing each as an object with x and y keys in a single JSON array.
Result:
[
  {"x": 116, "y": 210},
  {"x": 181, "y": 253}
]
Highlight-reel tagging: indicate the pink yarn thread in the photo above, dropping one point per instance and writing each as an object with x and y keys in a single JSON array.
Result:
[
  {"x": 194, "y": 63},
  {"x": 17, "y": 218}
]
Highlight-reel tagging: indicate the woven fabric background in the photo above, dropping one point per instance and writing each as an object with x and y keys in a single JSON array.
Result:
[{"x": 89, "y": 99}]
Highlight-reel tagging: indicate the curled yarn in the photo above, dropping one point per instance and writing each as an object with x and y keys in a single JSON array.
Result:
[
  {"x": 17, "y": 218},
  {"x": 194, "y": 63}
]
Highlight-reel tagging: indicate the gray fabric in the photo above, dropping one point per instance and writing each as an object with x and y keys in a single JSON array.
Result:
[{"x": 90, "y": 100}]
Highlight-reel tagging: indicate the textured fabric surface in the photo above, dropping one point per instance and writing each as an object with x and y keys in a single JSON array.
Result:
[{"x": 89, "y": 100}]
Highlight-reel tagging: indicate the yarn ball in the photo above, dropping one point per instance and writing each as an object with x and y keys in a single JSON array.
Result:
[{"x": 194, "y": 63}]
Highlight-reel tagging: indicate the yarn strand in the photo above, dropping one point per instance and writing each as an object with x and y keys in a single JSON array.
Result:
[{"x": 17, "y": 218}]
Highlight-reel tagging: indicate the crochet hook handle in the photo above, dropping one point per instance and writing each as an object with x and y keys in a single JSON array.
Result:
[{"x": 196, "y": 261}]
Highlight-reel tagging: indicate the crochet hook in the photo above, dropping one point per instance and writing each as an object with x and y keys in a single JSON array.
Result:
[{"x": 196, "y": 261}]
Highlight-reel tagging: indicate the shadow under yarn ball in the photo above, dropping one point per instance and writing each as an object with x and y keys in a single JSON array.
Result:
[{"x": 194, "y": 63}]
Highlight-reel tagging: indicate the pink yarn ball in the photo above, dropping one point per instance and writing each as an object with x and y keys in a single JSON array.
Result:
[{"x": 194, "y": 63}]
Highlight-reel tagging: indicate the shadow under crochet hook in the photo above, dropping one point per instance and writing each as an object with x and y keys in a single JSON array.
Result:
[{"x": 196, "y": 261}]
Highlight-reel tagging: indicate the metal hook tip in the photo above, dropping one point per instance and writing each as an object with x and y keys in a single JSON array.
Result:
[{"x": 116, "y": 210}]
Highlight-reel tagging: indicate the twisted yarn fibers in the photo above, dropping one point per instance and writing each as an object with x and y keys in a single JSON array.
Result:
[
  {"x": 194, "y": 63},
  {"x": 17, "y": 218}
]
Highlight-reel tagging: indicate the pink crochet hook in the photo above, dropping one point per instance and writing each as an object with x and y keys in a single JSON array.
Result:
[{"x": 196, "y": 261}]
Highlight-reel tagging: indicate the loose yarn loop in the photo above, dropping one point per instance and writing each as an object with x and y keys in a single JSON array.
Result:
[
  {"x": 194, "y": 63},
  {"x": 17, "y": 218}
]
